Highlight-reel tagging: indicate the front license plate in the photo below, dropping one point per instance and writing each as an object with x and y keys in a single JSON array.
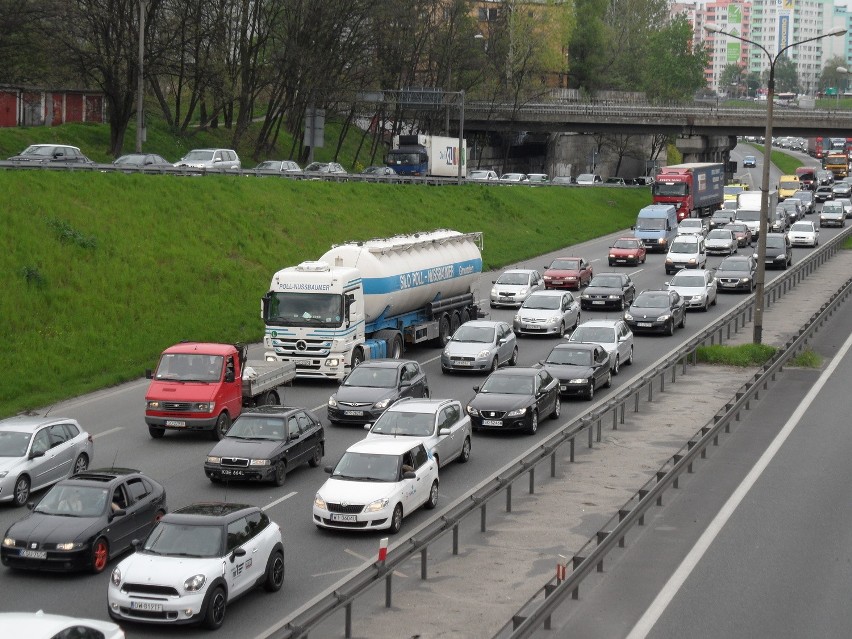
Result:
[
  {"x": 730, "y": 284},
  {"x": 354, "y": 413},
  {"x": 175, "y": 424},
  {"x": 34, "y": 554},
  {"x": 146, "y": 605},
  {"x": 463, "y": 363},
  {"x": 303, "y": 362},
  {"x": 601, "y": 302},
  {"x": 336, "y": 517},
  {"x": 620, "y": 261},
  {"x": 232, "y": 473},
  {"x": 557, "y": 281},
  {"x": 492, "y": 422},
  {"x": 644, "y": 324}
]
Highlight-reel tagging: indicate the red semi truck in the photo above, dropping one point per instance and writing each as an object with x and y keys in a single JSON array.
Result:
[
  {"x": 202, "y": 386},
  {"x": 695, "y": 189}
]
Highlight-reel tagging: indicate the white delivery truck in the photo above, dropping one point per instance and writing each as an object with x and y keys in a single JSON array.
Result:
[
  {"x": 427, "y": 155},
  {"x": 364, "y": 300}
]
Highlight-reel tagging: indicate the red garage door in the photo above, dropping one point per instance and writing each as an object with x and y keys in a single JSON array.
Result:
[
  {"x": 73, "y": 107},
  {"x": 8, "y": 108}
]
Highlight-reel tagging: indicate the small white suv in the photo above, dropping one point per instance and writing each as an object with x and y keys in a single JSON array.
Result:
[
  {"x": 686, "y": 251},
  {"x": 210, "y": 159}
]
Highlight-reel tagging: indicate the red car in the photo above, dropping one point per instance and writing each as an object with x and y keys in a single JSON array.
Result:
[
  {"x": 627, "y": 250},
  {"x": 567, "y": 272}
]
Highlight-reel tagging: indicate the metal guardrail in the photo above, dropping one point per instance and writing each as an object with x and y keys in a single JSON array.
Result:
[{"x": 342, "y": 595}]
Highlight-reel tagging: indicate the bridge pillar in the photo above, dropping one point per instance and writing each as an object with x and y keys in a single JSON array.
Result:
[{"x": 705, "y": 148}]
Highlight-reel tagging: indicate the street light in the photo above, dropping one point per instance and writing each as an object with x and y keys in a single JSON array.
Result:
[{"x": 760, "y": 276}]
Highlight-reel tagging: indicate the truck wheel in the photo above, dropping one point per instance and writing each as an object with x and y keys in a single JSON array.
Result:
[
  {"x": 155, "y": 432},
  {"x": 443, "y": 331},
  {"x": 396, "y": 346},
  {"x": 222, "y": 426},
  {"x": 269, "y": 398},
  {"x": 465, "y": 316},
  {"x": 455, "y": 322}
]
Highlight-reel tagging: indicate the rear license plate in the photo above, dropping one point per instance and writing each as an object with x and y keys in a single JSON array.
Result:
[
  {"x": 146, "y": 605},
  {"x": 34, "y": 554},
  {"x": 354, "y": 413},
  {"x": 557, "y": 281},
  {"x": 232, "y": 473},
  {"x": 644, "y": 324},
  {"x": 598, "y": 302},
  {"x": 175, "y": 424},
  {"x": 350, "y": 518},
  {"x": 492, "y": 422},
  {"x": 303, "y": 362}
]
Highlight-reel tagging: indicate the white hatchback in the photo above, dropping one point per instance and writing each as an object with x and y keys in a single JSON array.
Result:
[
  {"x": 547, "y": 312},
  {"x": 698, "y": 288},
  {"x": 804, "y": 234},
  {"x": 613, "y": 335}
]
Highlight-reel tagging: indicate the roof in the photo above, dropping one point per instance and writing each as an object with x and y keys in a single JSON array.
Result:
[
  {"x": 419, "y": 405},
  {"x": 548, "y": 293},
  {"x": 208, "y": 513},
  {"x": 29, "y": 423},
  {"x": 41, "y": 625},
  {"x": 385, "y": 363},
  {"x": 382, "y": 446},
  {"x": 516, "y": 371},
  {"x": 519, "y": 270},
  {"x": 606, "y": 323},
  {"x": 103, "y": 474},
  {"x": 584, "y": 346},
  {"x": 485, "y": 323},
  {"x": 202, "y": 348}
]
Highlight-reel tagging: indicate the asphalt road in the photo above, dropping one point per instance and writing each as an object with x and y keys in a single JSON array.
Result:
[{"x": 315, "y": 559}]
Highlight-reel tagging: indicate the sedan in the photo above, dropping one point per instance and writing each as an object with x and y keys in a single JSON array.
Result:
[
  {"x": 514, "y": 177},
  {"x": 841, "y": 189},
  {"x": 375, "y": 484},
  {"x": 84, "y": 521},
  {"x": 482, "y": 176},
  {"x": 286, "y": 167},
  {"x": 742, "y": 232},
  {"x": 141, "y": 161},
  {"x": 580, "y": 368},
  {"x": 721, "y": 241},
  {"x": 804, "y": 234},
  {"x": 656, "y": 312},
  {"x": 588, "y": 179},
  {"x": 736, "y": 273},
  {"x": 379, "y": 172},
  {"x": 613, "y": 335},
  {"x": 697, "y": 288},
  {"x": 608, "y": 291},
  {"x": 847, "y": 205},
  {"x": 39, "y": 451},
  {"x": 823, "y": 194},
  {"x": 627, "y": 250},
  {"x": 332, "y": 168},
  {"x": 514, "y": 286},
  {"x": 51, "y": 154},
  {"x": 547, "y": 312},
  {"x": 439, "y": 424},
  {"x": 480, "y": 345},
  {"x": 40, "y": 625},
  {"x": 692, "y": 226},
  {"x": 749, "y": 162},
  {"x": 515, "y": 400},
  {"x": 374, "y": 385},
  {"x": 264, "y": 443},
  {"x": 807, "y": 200},
  {"x": 568, "y": 272}
]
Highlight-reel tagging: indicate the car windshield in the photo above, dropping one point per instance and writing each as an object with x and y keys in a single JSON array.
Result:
[
  {"x": 74, "y": 500},
  {"x": 626, "y": 244},
  {"x": 733, "y": 265},
  {"x": 367, "y": 467},
  {"x": 570, "y": 357},
  {"x": 697, "y": 224},
  {"x": 478, "y": 175},
  {"x": 684, "y": 247},
  {"x": 737, "y": 228},
  {"x": 832, "y": 207},
  {"x": 508, "y": 385},
  {"x": 132, "y": 160},
  {"x": 790, "y": 184},
  {"x": 372, "y": 377},
  {"x": 404, "y": 423},
  {"x": 545, "y": 302},
  {"x": 802, "y": 226},
  {"x": 651, "y": 224},
  {"x": 775, "y": 243},
  {"x": 605, "y": 281},
  {"x": 652, "y": 301},
  {"x": 748, "y": 216},
  {"x": 269, "y": 165},
  {"x": 586, "y": 177},
  {"x": 39, "y": 151},
  {"x": 316, "y": 166},
  {"x": 258, "y": 427},
  {"x": 189, "y": 367},
  {"x": 805, "y": 196},
  {"x": 688, "y": 280},
  {"x": 199, "y": 156},
  {"x": 13, "y": 444},
  {"x": 514, "y": 279},
  {"x": 721, "y": 215},
  {"x": 184, "y": 540},
  {"x": 565, "y": 265},
  {"x": 733, "y": 190},
  {"x": 749, "y": 158},
  {"x": 477, "y": 334},
  {"x": 719, "y": 234},
  {"x": 598, "y": 334}
]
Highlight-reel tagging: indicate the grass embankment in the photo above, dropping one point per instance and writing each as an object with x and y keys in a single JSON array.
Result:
[
  {"x": 102, "y": 271},
  {"x": 785, "y": 162},
  {"x": 741, "y": 355}
]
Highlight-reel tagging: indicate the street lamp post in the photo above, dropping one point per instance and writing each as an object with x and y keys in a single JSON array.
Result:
[
  {"x": 760, "y": 276},
  {"x": 140, "y": 87}
]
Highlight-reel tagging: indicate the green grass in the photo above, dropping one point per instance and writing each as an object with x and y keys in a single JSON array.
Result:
[
  {"x": 741, "y": 355},
  {"x": 807, "y": 359},
  {"x": 785, "y": 162},
  {"x": 847, "y": 243},
  {"x": 103, "y": 271}
]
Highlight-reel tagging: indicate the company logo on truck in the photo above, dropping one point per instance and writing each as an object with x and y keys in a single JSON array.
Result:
[
  {"x": 304, "y": 286},
  {"x": 449, "y": 156},
  {"x": 422, "y": 277}
]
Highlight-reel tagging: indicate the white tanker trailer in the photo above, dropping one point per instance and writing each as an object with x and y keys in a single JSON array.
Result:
[{"x": 364, "y": 300}]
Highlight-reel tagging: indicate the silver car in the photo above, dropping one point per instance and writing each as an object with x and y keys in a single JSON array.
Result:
[
  {"x": 210, "y": 159},
  {"x": 514, "y": 286},
  {"x": 614, "y": 335},
  {"x": 441, "y": 425},
  {"x": 480, "y": 345},
  {"x": 721, "y": 241},
  {"x": 546, "y": 312},
  {"x": 698, "y": 288},
  {"x": 39, "y": 451}
]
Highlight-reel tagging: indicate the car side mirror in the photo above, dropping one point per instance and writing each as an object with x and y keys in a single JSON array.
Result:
[
  {"x": 493, "y": 281},
  {"x": 238, "y": 552},
  {"x": 443, "y": 431},
  {"x": 31, "y": 505},
  {"x": 668, "y": 283},
  {"x": 136, "y": 543},
  {"x": 329, "y": 469},
  {"x": 367, "y": 426},
  {"x": 405, "y": 383},
  {"x": 149, "y": 374},
  {"x": 36, "y": 453},
  {"x": 476, "y": 389},
  {"x": 229, "y": 377},
  {"x": 121, "y": 512},
  {"x": 294, "y": 436},
  {"x": 409, "y": 475}
]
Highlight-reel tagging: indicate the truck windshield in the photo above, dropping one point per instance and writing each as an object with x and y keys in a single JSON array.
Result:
[
  {"x": 189, "y": 367},
  {"x": 651, "y": 224},
  {"x": 406, "y": 158},
  {"x": 304, "y": 309},
  {"x": 671, "y": 188},
  {"x": 748, "y": 216}
]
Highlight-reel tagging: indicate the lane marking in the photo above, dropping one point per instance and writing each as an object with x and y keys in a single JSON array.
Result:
[
  {"x": 636, "y": 272},
  {"x": 107, "y": 432},
  {"x": 331, "y": 572},
  {"x": 676, "y": 581},
  {"x": 279, "y": 500}
]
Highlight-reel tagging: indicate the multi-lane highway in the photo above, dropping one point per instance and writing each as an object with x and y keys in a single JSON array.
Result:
[{"x": 315, "y": 559}]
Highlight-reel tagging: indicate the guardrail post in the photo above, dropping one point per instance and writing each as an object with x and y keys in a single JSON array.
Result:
[
  {"x": 660, "y": 476},
  {"x": 591, "y": 434},
  {"x": 423, "y": 562},
  {"x": 651, "y": 390},
  {"x": 621, "y": 515},
  {"x": 482, "y": 518},
  {"x": 572, "y": 450},
  {"x": 685, "y": 362},
  {"x": 621, "y": 412},
  {"x": 347, "y": 621},
  {"x": 553, "y": 464},
  {"x": 532, "y": 480},
  {"x": 575, "y": 594},
  {"x": 509, "y": 498},
  {"x": 456, "y": 539},
  {"x": 642, "y": 492},
  {"x": 389, "y": 590},
  {"x": 636, "y": 402},
  {"x": 674, "y": 373},
  {"x": 663, "y": 382},
  {"x": 598, "y": 437},
  {"x": 602, "y": 535},
  {"x": 614, "y": 418}
]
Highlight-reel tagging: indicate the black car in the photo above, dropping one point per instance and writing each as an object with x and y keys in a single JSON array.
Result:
[
  {"x": 84, "y": 521},
  {"x": 51, "y": 154},
  {"x": 736, "y": 273},
  {"x": 720, "y": 218},
  {"x": 580, "y": 367},
  {"x": 515, "y": 399},
  {"x": 656, "y": 312},
  {"x": 373, "y": 386},
  {"x": 823, "y": 194},
  {"x": 265, "y": 443},
  {"x": 608, "y": 291},
  {"x": 135, "y": 162},
  {"x": 779, "y": 253},
  {"x": 807, "y": 198}
]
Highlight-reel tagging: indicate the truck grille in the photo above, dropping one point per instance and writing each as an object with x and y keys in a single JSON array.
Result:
[
  {"x": 178, "y": 407},
  {"x": 310, "y": 347}
]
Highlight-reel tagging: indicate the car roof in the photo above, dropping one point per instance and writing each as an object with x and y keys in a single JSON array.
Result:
[
  {"x": 386, "y": 363},
  {"x": 31, "y": 423},
  {"x": 100, "y": 476},
  {"x": 202, "y": 348},
  {"x": 693, "y": 271},
  {"x": 485, "y": 323},
  {"x": 628, "y": 237},
  {"x": 41, "y": 625},
  {"x": 209, "y": 513},
  {"x": 548, "y": 293},
  {"x": 515, "y": 370},
  {"x": 519, "y": 270},
  {"x": 283, "y": 411},
  {"x": 382, "y": 446},
  {"x": 586, "y": 346},
  {"x": 419, "y": 405},
  {"x": 601, "y": 323}
]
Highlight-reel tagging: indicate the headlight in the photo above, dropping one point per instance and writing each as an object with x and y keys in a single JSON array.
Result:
[
  {"x": 612, "y": 256},
  {"x": 204, "y": 407},
  {"x": 332, "y": 401},
  {"x": 517, "y": 412},
  {"x": 517, "y": 318},
  {"x": 332, "y": 363},
  {"x": 194, "y": 583},
  {"x": 578, "y": 380},
  {"x": 668, "y": 260},
  {"x": 270, "y": 358},
  {"x": 585, "y": 296},
  {"x": 213, "y": 460},
  {"x": 485, "y": 353},
  {"x": 662, "y": 240},
  {"x": 8, "y": 542},
  {"x": 376, "y": 506},
  {"x": 382, "y": 404},
  {"x": 663, "y": 318},
  {"x": 153, "y": 405},
  {"x": 630, "y": 256},
  {"x": 69, "y": 545},
  {"x": 259, "y": 462},
  {"x": 614, "y": 297},
  {"x": 319, "y": 502},
  {"x": 552, "y": 320},
  {"x": 692, "y": 260},
  {"x": 472, "y": 411},
  {"x": 548, "y": 277},
  {"x": 744, "y": 279},
  {"x": 115, "y": 577},
  {"x": 628, "y": 317},
  {"x": 494, "y": 290}
]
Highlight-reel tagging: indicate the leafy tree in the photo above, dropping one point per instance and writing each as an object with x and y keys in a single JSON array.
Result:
[
  {"x": 831, "y": 77},
  {"x": 588, "y": 48},
  {"x": 752, "y": 81},
  {"x": 786, "y": 76},
  {"x": 674, "y": 68},
  {"x": 731, "y": 78}
]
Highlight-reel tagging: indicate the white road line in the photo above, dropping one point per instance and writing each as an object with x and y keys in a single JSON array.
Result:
[
  {"x": 636, "y": 272},
  {"x": 107, "y": 432},
  {"x": 362, "y": 558},
  {"x": 278, "y": 501},
  {"x": 331, "y": 572},
  {"x": 659, "y": 605}
]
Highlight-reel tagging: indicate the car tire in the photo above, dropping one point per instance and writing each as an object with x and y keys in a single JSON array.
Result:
[
  {"x": 22, "y": 490},
  {"x": 274, "y": 572},
  {"x": 514, "y": 360},
  {"x": 159, "y": 515},
  {"x": 433, "y": 496},
  {"x": 557, "y": 408},
  {"x": 608, "y": 381},
  {"x": 590, "y": 395},
  {"x": 445, "y": 370},
  {"x": 214, "y": 614},
  {"x": 81, "y": 463},
  {"x": 464, "y": 457},
  {"x": 533, "y": 427},
  {"x": 562, "y": 329},
  {"x": 670, "y": 329},
  {"x": 494, "y": 365},
  {"x": 396, "y": 520},
  {"x": 682, "y": 320},
  {"x": 629, "y": 360},
  {"x": 156, "y": 433},
  {"x": 280, "y": 475},
  {"x": 222, "y": 426},
  {"x": 617, "y": 365},
  {"x": 316, "y": 458},
  {"x": 713, "y": 303},
  {"x": 100, "y": 555}
]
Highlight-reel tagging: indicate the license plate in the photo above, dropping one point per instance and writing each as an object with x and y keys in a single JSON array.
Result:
[
  {"x": 354, "y": 413},
  {"x": 557, "y": 281},
  {"x": 34, "y": 554},
  {"x": 620, "y": 261},
  {"x": 175, "y": 423},
  {"x": 303, "y": 362},
  {"x": 644, "y": 324},
  {"x": 730, "y": 284},
  {"x": 598, "y": 302},
  {"x": 336, "y": 517},
  {"x": 463, "y": 363},
  {"x": 146, "y": 605},
  {"x": 533, "y": 327},
  {"x": 492, "y": 422},
  {"x": 232, "y": 473}
]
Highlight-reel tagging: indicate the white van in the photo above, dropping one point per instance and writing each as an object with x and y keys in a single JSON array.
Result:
[
  {"x": 686, "y": 251},
  {"x": 210, "y": 159}
]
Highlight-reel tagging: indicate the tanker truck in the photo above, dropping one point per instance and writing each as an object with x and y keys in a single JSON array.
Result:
[{"x": 365, "y": 300}]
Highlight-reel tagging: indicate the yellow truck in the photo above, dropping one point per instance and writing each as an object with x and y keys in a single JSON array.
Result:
[
  {"x": 838, "y": 163},
  {"x": 788, "y": 185}
]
